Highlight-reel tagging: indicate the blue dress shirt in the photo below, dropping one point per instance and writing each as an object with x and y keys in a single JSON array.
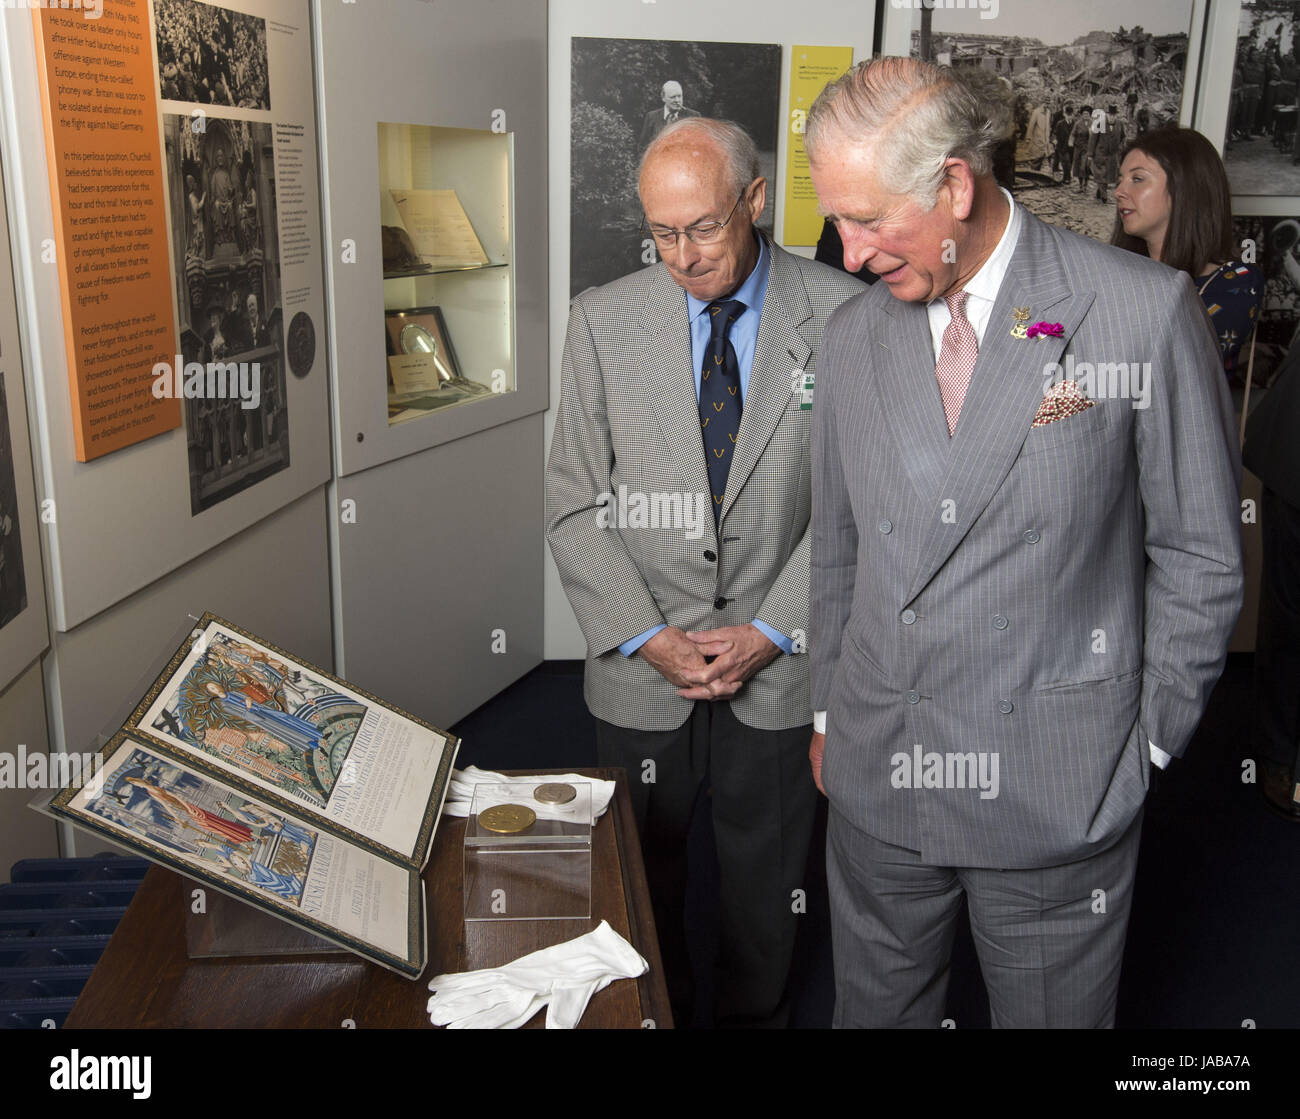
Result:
[{"x": 743, "y": 336}]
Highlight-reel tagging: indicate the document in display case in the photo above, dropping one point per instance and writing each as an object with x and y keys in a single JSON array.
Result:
[
  {"x": 439, "y": 228},
  {"x": 447, "y": 261},
  {"x": 270, "y": 780}
]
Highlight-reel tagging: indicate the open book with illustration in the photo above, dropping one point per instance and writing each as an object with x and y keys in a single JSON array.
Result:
[{"x": 279, "y": 784}]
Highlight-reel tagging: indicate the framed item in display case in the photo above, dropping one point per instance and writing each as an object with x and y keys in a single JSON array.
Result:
[
  {"x": 421, "y": 333},
  {"x": 422, "y": 364}
]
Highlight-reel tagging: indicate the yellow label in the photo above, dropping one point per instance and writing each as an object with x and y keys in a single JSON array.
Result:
[{"x": 811, "y": 68}]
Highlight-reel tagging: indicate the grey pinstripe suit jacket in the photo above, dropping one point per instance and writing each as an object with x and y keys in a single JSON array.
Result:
[
  {"x": 1055, "y": 595},
  {"x": 629, "y": 417}
]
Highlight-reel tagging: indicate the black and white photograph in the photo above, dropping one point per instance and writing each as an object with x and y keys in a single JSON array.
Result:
[
  {"x": 211, "y": 55},
  {"x": 1261, "y": 149},
  {"x": 13, "y": 585},
  {"x": 1275, "y": 244},
  {"x": 1080, "y": 82},
  {"x": 226, "y": 247},
  {"x": 625, "y": 91}
]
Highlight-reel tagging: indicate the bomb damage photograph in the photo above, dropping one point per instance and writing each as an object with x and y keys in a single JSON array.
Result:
[{"x": 1079, "y": 82}]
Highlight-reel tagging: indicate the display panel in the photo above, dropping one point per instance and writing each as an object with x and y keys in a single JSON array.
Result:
[
  {"x": 624, "y": 92},
  {"x": 228, "y": 298},
  {"x": 231, "y": 108},
  {"x": 1261, "y": 147}
]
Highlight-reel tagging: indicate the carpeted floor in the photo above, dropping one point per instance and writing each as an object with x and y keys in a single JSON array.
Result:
[{"x": 1214, "y": 937}]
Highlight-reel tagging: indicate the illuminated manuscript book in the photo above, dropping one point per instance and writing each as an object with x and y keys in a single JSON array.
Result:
[{"x": 279, "y": 784}]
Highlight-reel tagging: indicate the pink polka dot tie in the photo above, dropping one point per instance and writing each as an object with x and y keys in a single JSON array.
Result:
[{"x": 957, "y": 354}]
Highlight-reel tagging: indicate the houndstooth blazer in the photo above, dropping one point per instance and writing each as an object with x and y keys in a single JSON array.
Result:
[{"x": 629, "y": 417}]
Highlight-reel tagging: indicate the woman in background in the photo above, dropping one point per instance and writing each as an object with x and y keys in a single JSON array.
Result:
[{"x": 1172, "y": 204}]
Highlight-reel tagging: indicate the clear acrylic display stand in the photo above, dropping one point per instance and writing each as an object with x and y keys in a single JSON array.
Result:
[
  {"x": 226, "y": 926},
  {"x": 542, "y": 873}
]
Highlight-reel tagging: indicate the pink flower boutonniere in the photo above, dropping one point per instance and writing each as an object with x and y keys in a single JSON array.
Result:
[{"x": 1045, "y": 330}]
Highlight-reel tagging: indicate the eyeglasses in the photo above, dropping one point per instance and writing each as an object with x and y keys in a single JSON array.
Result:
[{"x": 702, "y": 233}]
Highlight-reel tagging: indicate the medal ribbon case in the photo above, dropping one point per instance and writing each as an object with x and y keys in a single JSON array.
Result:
[{"x": 528, "y": 851}]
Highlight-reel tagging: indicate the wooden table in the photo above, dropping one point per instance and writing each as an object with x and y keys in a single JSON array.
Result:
[{"x": 146, "y": 979}]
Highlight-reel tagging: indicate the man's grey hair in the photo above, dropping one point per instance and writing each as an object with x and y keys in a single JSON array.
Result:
[
  {"x": 914, "y": 116},
  {"x": 739, "y": 152}
]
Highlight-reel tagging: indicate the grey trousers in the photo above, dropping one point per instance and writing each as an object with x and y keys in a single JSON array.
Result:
[{"x": 1050, "y": 940}]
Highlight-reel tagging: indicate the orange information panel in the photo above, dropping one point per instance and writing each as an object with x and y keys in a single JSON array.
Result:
[{"x": 100, "y": 99}]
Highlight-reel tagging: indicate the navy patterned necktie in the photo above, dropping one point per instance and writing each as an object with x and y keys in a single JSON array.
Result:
[{"x": 720, "y": 402}]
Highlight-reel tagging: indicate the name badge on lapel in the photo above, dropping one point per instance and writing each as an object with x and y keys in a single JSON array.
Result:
[{"x": 803, "y": 387}]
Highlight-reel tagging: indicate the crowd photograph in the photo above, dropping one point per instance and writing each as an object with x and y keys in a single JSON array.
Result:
[{"x": 211, "y": 55}]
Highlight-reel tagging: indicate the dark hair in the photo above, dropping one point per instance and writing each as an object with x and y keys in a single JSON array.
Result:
[{"x": 1200, "y": 205}]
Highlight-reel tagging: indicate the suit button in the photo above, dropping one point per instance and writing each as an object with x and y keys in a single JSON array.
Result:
[
  {"x": 1006, "y": 706},
  {"x": 908, "y": 617},
  {"x": 711, "y": 556},
  {"x": 1032, "y": 536},
  {"x": 999, "y": 622},
  {"x": 913, "y": 697},
  {"x": 886, "y": 527},
  {"x": 719, "y": 603}
]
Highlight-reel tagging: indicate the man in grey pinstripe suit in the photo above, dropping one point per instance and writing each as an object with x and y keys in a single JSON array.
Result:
[
  {"x": 690, "y": 583},
  {"x": 1015, "y": 612}
]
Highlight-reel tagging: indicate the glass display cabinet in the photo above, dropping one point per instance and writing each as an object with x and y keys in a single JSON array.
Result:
[{"x": 446, "y": 234}]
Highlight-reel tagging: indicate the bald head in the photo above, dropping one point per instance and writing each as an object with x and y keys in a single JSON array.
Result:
[
  {"x": 689, "y": 179},
  {"x": 717, "y": 140}
]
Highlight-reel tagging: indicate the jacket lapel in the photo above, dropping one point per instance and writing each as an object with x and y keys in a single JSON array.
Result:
[
  {"x": 909, "y": 394},
  {"x": 1005, "y": 392},
  {"x": 663, "y": 362},
  {"x": 779, "y": 350}
]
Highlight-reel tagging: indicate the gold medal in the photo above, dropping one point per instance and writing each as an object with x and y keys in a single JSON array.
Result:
[
  {"x": 554, "y": 792},
  {"x": 507, "y": 819},
  {"x": 1021, "y": 326}
]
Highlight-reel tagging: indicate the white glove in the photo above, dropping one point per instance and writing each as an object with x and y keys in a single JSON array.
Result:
[{"x": 565, "y": 976}]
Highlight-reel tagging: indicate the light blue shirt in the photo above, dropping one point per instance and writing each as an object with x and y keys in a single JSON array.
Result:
[{"x": 743, "y": 336}]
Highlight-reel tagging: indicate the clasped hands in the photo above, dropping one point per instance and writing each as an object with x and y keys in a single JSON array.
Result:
[{"x": 679, "y": 657}]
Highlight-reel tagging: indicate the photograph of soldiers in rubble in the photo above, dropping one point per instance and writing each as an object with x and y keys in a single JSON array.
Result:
[
  {"x": 1261, "y": 150},
  {"x": 1078, "y": 83}
]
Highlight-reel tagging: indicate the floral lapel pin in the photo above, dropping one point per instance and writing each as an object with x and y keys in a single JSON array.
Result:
[{"x": 1022, "y": 328}]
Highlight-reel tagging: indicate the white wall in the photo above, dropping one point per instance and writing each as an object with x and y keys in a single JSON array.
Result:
[{"x": 822, "y": 23}]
